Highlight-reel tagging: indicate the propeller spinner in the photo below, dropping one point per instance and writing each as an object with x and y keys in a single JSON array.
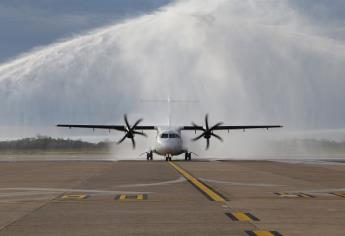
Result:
[
  {"x": 207, "y": 132},
  {"x": 130, "y": 131}
]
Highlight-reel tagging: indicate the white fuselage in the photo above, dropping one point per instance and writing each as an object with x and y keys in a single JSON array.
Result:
[{"x": 169, "y": 142}]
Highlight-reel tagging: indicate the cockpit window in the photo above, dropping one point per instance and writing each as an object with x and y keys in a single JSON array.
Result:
[
  {"x": 171, "y": 135},
  {"x": 174, "y": 136}
]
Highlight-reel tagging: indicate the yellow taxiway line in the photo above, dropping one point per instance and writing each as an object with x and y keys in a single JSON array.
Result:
[
  {"x": 209, "y": 192},
  {"x": 263, "y": 233}
]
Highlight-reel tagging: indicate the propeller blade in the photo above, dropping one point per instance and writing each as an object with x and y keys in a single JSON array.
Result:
[
  {"x": 207, "y": 132},
  {"x": 206, "y": 121},
  {"x": 126, "y": 121},
  {"x": 137, "y": 123},
  {"x": 198, "y": 127},
  {"x": 124, "y": 137},
  {"x": 195, "y": 125},
  {"x": 217, "y": 136},
  {"x": 133, "y": 143},
  {"x": 216, "y": 125},
  {"x": 198, "y": 137},
  {"x": 139, "y": 133},
  {"x": 130, "y": 131}
]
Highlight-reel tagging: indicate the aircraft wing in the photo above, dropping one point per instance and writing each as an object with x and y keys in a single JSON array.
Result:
[
  {"x": 232, "y": 127},
  {"x": 108, "y": 127}
]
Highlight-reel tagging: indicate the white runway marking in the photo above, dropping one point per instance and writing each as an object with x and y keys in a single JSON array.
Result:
[
  {"x": 12, "y": 192},
  {"x": 329, "y": 190},
  {"x": 179, "y": 180},
  {"x": 334, "y": 162},
  {"x": 25, "y": 193},
  {"x": 241, "y": 184}
]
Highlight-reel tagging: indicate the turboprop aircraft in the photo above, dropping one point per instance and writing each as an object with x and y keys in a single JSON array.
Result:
[{"x": 169, "y": 141}]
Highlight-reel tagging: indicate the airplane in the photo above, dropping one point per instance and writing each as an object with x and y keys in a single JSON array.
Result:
[{"x": 169, "y": 141}]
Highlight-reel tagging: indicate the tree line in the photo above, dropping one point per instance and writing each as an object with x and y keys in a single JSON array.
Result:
[{"x": 43, "y": 143}]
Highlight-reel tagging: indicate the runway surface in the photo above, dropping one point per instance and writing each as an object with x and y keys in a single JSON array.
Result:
[{"x": 261, "y": 198}]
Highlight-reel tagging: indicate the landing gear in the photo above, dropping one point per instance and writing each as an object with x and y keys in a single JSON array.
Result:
[
  {"x": 168, "y": 158},
  {"x": 188, "y": 156},
  {"x": 149, "y": 156}
]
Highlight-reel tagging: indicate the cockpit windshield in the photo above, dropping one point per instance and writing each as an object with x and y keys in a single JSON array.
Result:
[
  {"x": 170, "y": 135},
  {"x": 174, "y": 136}
]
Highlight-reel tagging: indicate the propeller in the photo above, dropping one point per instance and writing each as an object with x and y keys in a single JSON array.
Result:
[
  {"x": 207, "y": 132},
  {"x": 131, "y": 132}
]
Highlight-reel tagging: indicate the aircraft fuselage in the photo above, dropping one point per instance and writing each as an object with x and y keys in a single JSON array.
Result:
[{"x": 169, "y": 142}]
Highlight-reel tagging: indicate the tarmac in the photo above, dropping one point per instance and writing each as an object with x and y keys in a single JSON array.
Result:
[{"x": 263, "y": 198}]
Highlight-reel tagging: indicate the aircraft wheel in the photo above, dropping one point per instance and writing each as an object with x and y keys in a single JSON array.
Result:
[{"x": 188, "y": 156}]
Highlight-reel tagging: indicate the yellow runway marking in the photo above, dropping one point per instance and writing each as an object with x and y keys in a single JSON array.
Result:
[
  {"x": 242, "y": 216},
  {"x": 209, "y": 192},
  {"x": 339, "y": 194},
  {"x": 131, "y": 197},
  {"x": 294, "y": 195},
  {"x": 263, "y": 233}
]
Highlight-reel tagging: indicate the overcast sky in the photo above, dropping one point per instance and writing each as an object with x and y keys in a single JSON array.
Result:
[
  {"x": 248, "y": 61},
  {"x": 33, "y": 23}
]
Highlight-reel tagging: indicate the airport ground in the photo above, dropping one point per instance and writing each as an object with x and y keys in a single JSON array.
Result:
[{"x": 264, "y": 198}]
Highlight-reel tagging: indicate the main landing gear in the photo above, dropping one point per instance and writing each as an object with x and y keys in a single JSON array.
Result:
[
  {"x": 188, "y": 156},
  {"x": 149, "y": 156}
]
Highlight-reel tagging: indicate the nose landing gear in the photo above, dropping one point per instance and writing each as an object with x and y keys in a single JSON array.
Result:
[
  {"x": 167, "y": 158},
  {"x": 188, "y": 156},
  {"x": 149, "y": 156}
]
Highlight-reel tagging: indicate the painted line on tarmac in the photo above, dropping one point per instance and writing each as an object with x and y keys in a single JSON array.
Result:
[
  {"x": 339, "y": 194},
  {"x": 74, "y": 196},
  {"x": 294, "y": 195},
  {"x": 135, "y": 197},
  {"x": 263, "y": 233},
  {"x": 176, "y": 181},
  {"x": 241, "y": 184},
  {"x": 329, "y": 190},
  {"x": 59, "y": 190},
  {"x": 242, "y": 216},
  {"x": 206, "y": 190},
  {"x": 25, "y": 193}
]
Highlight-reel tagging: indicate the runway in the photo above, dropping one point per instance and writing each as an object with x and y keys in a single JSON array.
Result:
[{"x": 262, "y": 198}]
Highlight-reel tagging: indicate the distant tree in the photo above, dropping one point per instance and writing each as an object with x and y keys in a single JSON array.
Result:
[{"x": 44, "y": 143}]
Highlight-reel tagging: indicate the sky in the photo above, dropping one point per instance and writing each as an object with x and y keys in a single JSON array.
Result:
[
  {"x": 247, "y": 61},
  {"x": 34, "y": 23}
]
